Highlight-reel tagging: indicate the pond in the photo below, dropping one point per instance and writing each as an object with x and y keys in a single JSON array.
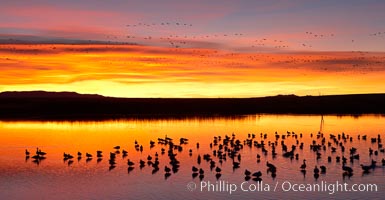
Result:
[{"x": 104, "y": 177}]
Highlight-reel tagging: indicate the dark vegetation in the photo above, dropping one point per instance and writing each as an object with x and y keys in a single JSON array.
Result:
[{"x": 40, "y": 105}]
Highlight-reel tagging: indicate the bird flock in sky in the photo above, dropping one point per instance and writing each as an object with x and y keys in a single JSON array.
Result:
[
  {"x": 212, "y": 50},
  {"x": 178, "y": 41}
]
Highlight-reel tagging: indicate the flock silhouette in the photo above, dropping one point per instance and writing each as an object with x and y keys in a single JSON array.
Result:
[
  {"x": 178, "y": 41},
  {"x": 349, "y": 62},
  {"x": 177, "y": 35},
  {"x": 228, "y": 150},
  {"x": 186, "y": 40},
  {"x": 182, "y": 40}
]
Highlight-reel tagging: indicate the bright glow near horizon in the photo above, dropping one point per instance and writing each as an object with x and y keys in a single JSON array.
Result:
[{"x": 135, "y": 71}]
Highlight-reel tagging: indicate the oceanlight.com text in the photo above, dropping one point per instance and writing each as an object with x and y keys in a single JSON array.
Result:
[{"x": 285, "y": 186}]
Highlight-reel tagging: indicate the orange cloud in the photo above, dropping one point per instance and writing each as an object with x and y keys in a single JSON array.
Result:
[{"x": 163, "y": 72}]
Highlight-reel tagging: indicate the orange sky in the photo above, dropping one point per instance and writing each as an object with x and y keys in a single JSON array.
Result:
[
  {"x": 147, "y": 71},
  {"x": 173, "y": 48}
]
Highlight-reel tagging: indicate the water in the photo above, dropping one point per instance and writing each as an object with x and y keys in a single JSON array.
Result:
[{"x": 53, "y": 178}]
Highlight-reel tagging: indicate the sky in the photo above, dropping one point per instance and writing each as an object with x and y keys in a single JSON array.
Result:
[{"x": 177, "y": 48}]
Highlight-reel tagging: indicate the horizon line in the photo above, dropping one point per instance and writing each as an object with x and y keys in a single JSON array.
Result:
[{"x": 249, "y": 97}]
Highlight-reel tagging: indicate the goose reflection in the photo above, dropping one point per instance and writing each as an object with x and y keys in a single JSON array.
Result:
[{"x": 228, "y": 152}]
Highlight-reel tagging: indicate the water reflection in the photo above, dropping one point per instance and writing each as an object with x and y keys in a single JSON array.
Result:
[{"x": 157, "y": 158}]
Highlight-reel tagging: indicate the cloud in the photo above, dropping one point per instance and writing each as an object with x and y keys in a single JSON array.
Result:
[{"x": 133, "y": 64}]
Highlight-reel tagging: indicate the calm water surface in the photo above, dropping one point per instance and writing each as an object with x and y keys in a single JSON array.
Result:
[{"x": 53, "y": 178}]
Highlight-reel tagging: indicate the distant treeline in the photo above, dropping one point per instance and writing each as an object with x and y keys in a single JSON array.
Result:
[{"x": 42, "y": 105}]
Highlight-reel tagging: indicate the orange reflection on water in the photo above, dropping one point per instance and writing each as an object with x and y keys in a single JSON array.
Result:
[
  {"x": 91, "y": 136},
  {"x": 94, "y": 179}
]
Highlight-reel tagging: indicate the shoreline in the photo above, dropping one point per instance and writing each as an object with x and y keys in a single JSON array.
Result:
[{"x": 72, "y": 106}]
